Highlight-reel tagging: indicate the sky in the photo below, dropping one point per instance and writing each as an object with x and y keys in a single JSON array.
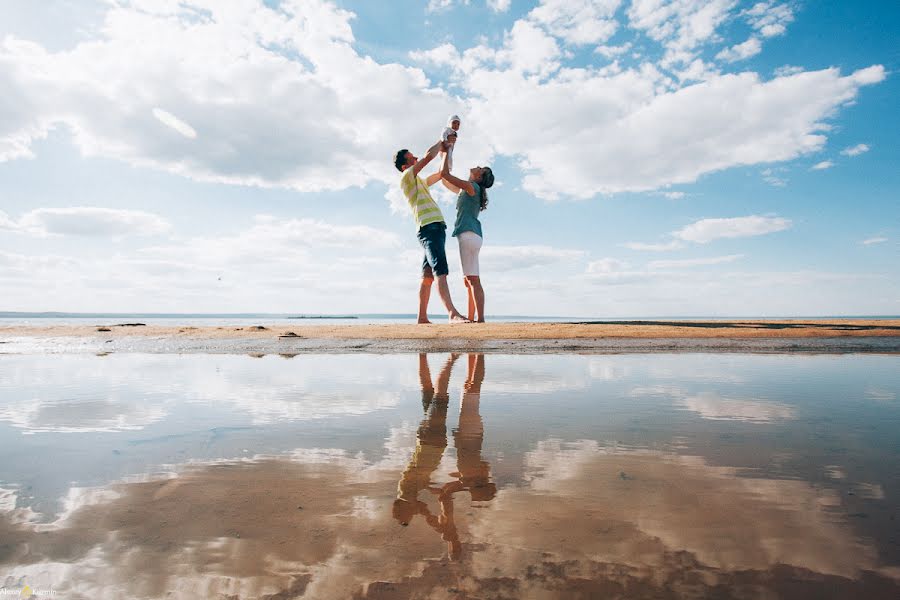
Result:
[{"x": 652, "y": 157}]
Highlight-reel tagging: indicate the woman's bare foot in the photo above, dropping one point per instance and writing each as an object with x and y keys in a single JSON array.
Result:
[
  {"x": 425, "y": 322},
  {"x": 458, "y": 318}
]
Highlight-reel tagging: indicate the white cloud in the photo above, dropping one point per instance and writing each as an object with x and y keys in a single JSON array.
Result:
[
  {"x": 693, "y": 262},
  {"x": 751, "y": 47},
  {"x": 769, "y": 18},
  {"x": 606, "y": 265},
  {"x": 874, "y": 240},
  {"x": 170, "y": 120},
  {"x": 821, "y": 166},
  {"x": 681, "y": 26},
  {"x": 505, "y": 258},
  {"x": 281, "y": 97},
  {"x": 578, "y": 21},
  {"x": 661, "y": 247},
  {"x": 499, "y": 6},
  {"x": 855, "y": 150},
  {"x": 617, "y": 130},
  {"x": 773, "y": 177},
  {"x": 88, "y": 221},
  {"x": 673, "y": 195},
  {"x": 707, "y": 230}
]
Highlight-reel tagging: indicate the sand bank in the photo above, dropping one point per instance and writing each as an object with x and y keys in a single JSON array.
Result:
[{"x": 838, "y": 335}]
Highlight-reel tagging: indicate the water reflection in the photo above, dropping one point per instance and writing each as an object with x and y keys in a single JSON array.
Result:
[
  {"x": 378, "y": 477},
  {"x": 473, "y": 472}
]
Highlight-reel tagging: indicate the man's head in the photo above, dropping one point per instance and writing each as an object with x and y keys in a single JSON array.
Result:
[{"x": 404, "y": 158}]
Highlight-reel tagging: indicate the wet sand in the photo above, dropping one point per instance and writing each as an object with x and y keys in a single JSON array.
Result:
[{"x": 837, "y": 335}]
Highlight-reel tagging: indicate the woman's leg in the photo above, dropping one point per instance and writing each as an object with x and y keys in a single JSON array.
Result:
[
  {"x": 469, "y": 249},
  {"x": 476, "y": 294},
  {"x": 471, "y": 294}
]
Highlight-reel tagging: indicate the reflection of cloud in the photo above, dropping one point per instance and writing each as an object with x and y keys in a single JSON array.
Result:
[
  {"x": 309, "y": 525},
  {"x": 607, "y": 369},
  {"x": 637, "y": 506},
  {"x": 7, "y": 500},
  {"x": 126, "y": 392},
  {"x": 835, "y": 472},
  {"x": 880, "y": 394},
  {"x": 870, "y": 491},
  {"x": 80, "y": 416},
  {"x": 710, "y": 405}
]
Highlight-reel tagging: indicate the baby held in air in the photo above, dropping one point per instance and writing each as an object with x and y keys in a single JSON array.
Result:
[{"x": 450, "y": 134}]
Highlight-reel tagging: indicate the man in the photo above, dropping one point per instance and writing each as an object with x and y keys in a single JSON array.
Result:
[{"x": 432, "y": 232}]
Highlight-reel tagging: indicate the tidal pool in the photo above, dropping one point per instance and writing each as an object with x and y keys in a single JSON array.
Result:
[{"x": 450, "y": 476}]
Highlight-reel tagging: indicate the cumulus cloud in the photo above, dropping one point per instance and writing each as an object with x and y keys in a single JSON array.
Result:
[
  {"x": 680, "y": 26},
  {"x": 855, "y": 150},
  {"x": 499, "y": 6},
  {"x": 279, "y": 94},
  {"x": 87, "y": 221},
  {"x": 769, "y": 18},
  {"x": 578, "y": 21},
  {"x": 618, "y": 130},
  {"x": 707, "y": 230},
  {"x": 751, "y": 47},
  {"x": 170, "y": 120}
]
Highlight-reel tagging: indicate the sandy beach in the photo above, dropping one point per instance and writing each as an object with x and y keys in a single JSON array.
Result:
[{"x": 838, "y": 335}]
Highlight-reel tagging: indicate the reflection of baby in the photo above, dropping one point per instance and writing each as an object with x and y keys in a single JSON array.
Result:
[{"x": 449, "y": 135}]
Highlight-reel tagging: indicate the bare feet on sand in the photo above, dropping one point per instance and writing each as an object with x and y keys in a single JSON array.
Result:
[
  {"x": 425, "y": 322},
  {"x": 458, "y": 318}
]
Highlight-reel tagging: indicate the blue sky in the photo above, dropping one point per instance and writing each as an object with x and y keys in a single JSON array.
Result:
[{"x": 652, "y": 158}]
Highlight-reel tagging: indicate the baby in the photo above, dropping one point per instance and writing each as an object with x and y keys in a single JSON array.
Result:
[{"x": 449, "y": 134}]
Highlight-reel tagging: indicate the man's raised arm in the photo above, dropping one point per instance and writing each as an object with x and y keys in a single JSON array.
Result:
[{"x": 429, "y": 156}]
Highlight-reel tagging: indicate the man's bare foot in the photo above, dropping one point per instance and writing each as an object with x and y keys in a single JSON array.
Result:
[
  {"x": 425, "y": 322},
  {"x": 458, "y": 319}
]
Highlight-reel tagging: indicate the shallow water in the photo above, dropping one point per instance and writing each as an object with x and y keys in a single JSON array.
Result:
[{"x": 405, "y": 476}]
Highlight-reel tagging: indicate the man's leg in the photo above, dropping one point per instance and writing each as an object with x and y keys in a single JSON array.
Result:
[
  {"x": 433, "y": 240},
  {"x": 424, "y": 296},
  {"x": 444, "y": 291}
]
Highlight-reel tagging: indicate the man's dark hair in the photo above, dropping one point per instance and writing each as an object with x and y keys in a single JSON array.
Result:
[{"x": 400, "y": 159}]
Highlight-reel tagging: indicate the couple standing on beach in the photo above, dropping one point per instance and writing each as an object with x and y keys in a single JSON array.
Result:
[{"x": 432, "y": 234}]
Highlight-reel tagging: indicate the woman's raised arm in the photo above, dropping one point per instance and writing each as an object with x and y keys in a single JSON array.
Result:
[{"x": 456, "y": 181}]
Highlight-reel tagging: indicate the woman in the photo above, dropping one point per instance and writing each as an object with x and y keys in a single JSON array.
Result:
[{"x": 471, "y": 201}]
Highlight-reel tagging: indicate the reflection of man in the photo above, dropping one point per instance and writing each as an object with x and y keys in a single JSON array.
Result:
[
  {"x": 431, "y": 440},
  {"x": 473, "y": 473}
]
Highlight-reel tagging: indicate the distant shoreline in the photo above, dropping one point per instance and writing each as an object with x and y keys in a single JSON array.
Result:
[
  {"x": 744, "y": 335},
  {"x": 378, "y": 316}
]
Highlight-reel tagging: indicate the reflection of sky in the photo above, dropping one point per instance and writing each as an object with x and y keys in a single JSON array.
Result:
[{"x": 606, "y": 461}]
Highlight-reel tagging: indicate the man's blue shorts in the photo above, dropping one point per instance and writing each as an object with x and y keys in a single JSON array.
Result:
[{"x": 433, "y": 237}]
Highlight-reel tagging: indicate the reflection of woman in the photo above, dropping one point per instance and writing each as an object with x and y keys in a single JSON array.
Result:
[
  {"x": 471, "y": 201},
  {"x": 473, "y": 473}
]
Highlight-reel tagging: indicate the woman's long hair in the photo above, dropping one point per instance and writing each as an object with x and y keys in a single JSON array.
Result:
[{"x": 487, "y": 180}]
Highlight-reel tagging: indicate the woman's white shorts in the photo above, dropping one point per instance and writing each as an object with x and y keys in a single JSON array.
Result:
[{"x": 469, "y": 247}]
